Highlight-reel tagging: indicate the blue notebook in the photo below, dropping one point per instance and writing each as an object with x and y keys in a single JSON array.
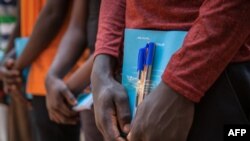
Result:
[
  {"x": 20, "y": 44},
  {"x": 167, "y": 43}
]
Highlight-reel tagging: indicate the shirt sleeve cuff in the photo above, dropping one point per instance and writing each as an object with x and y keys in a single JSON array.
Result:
[
  {"x": 107, "y": 52},
  {"x": 182, "y": 87}
]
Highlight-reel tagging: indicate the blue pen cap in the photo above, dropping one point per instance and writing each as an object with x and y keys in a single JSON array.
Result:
[
  {"x": 150, "y": 54},
  {"x": 141, "y": 59}
]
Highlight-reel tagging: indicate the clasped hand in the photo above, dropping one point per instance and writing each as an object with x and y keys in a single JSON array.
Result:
[
  {"x": 11, "y": 77},
  {"x": 59, "y": 101}
]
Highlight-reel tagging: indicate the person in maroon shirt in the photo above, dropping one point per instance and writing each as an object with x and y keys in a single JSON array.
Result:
[{"x": 205, "y": 85}]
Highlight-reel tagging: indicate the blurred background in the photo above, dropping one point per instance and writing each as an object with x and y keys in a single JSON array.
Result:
[{"x": 8, "y": 16}]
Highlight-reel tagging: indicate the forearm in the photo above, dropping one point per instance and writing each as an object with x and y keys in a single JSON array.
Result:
[
  {"x": 14, "y": 35},
  {"x": 71, "y": 46},
  {"x": 45, "y": 30},
  {"x": 103, "y": 70},
  {"x": 16, "y": 32},
  {"x": 73, "y": 42},
  {"x": 81, "y": 78}
]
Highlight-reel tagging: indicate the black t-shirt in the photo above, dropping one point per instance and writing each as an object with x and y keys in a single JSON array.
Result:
[{"x": 92, "y": 23}]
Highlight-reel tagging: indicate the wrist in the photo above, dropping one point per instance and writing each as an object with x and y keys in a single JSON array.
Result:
[
  {"x": 73, "y": 90},
  {"x": 53, "y": 74},
  {"x": 102, "y": 73},
  {"x": 103, "y": 68},
  {"x": 50, "y": 79}
]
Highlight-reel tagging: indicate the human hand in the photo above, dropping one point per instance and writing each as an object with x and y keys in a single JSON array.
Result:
[
  {"x": 11, "y": 77},
  {"x": 59, "y": 101},
  {"x": 163, "y": 115},
  {"x": 112, "y": 112}
]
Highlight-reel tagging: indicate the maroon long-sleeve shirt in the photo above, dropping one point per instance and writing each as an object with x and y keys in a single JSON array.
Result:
[{"x": 218, "y": 33}]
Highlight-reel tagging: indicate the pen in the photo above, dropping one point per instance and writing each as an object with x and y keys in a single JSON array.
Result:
[
  {"x": 148, "y": 67},
  {"x": 144, "y": 68},
  {"x": 141, "y": 75}
]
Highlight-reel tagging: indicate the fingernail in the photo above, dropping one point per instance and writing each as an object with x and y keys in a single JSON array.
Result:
[{"x": 126, "y": 128}]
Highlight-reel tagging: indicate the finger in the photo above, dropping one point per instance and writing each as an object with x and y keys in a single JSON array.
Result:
[
  {"x": 60, "y": 119},
  {"x": 129, "y": 138},
  {"x": 9, "y": 63},
  {"x": 5, "y": 87},
  {"x": 123, "y": 112},
  {"x": 8, "y": 72},
  {"x": 70, "y": 98},
  {"x": 11, "y": 81},
  {"x": 67, "y": 120},
  {"x": 66, "y": 111},
  {"x": 8, "y": 87},
  {"x": 11, "y": 74},
  {"x": 112, "y": 130},
  {"x": 133, "y": 137},
  {"x": 66, "y": 116},
  {"x": 53, "y": 117}
]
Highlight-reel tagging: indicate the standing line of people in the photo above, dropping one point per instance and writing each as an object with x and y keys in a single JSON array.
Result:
[
  {"x": 61, "y": 25},
  {"x": 204, "y": 86}
]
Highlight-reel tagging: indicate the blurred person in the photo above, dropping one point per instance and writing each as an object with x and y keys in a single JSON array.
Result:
[
  {"x": 19, "y": 123},
  {"x": 80, "y": 35},
  {"x": 44, "y": 38},
  {"x": 203, "y": 80}
]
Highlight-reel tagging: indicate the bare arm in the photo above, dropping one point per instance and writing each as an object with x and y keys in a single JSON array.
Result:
[
  {"x": 59, "y": 98},
  {"x": 45, "y": 30},
  {"x": 16, "y": 31},
  {"x": 74, "y": 41},
  {"x": 81, "y": 78}
]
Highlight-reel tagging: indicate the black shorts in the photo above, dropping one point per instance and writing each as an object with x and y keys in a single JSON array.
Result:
[{"x": 51, "y": 131}]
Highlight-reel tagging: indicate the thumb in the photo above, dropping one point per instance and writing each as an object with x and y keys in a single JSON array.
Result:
[{"x": 70, "y": 98}]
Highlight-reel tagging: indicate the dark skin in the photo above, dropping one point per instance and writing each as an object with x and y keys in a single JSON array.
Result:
[
  {"x": 164, "y": 114},
  {"x": 16, "y": 31},
  {"x": 64, "y": 94},
  {"x": 7, "y": 63},
  {"x": 10, "y": 55},
  {"x": 60, "y": 94},
  {"x": 112, "y": 112},
  {"x": 43, "y": 33},
  {"x": 81, "y": 78},
  {"x": 7, "y": 76},
  {"x": 74, "y": 41},
  {"x": 45, "y": 30},
  {"x": 164, "y": 109}
]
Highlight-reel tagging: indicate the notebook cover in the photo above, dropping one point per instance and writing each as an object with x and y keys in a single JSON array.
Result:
[{"x": 167, "y": 43}]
